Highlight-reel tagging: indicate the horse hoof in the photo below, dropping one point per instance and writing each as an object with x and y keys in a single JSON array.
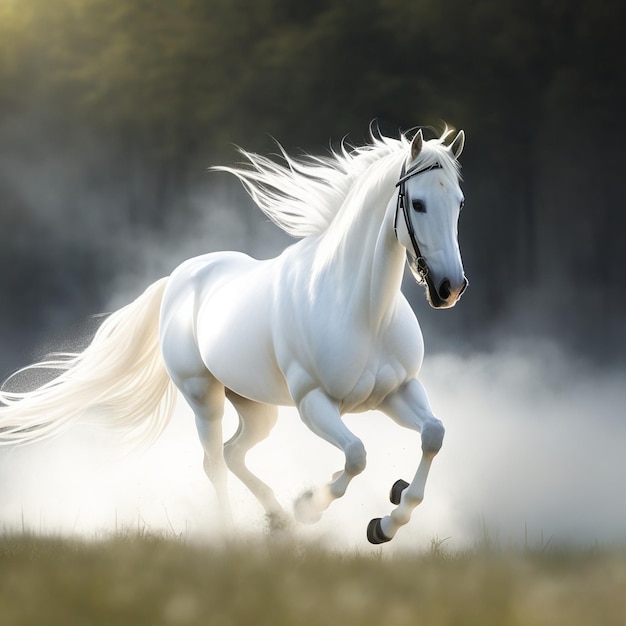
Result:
[
  {"x": 396, "y": 491},
  {"x": 375, "y": 532},
  {"x": 304, "y": 509}
]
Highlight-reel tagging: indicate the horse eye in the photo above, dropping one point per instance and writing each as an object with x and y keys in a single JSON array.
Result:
[{"x": 419, "y": 206}]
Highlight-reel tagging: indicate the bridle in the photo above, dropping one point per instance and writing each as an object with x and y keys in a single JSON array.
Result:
[{"x": 418, "y": 262}]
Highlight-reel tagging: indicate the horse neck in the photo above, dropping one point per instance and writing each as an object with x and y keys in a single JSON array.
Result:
[{"x": 361, "y": 252}]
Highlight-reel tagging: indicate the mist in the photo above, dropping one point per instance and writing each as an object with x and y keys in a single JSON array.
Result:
[
  {"x": 533, "y": 456},
  {"x": 535, "y": 431},
  {"x": 104, "y": 188}
]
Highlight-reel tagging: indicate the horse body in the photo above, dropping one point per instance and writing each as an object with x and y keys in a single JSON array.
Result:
[
  {"x": 323, "y": 326},
  {"x": 239, "y": 309},
  {"x": 216, "y": 315}
]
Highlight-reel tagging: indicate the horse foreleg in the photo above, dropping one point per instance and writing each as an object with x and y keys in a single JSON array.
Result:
[
  {"x": 256, "y": 421},
  {"x": 409, "y": 407},
  {"x": 321, "y": 414}
]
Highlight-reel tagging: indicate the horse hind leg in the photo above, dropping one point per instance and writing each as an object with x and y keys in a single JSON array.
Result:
[
  {"x": 256, "y": 421},
  {"x": 205, "y": 395}
]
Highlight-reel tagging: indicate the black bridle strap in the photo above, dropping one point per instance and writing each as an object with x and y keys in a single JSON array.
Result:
[
  {"x": 404, "y": 176},
  {"x": 422, "y": 267}
]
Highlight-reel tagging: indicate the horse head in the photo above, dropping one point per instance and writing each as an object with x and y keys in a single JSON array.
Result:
[{"x": 428, "y": 207}]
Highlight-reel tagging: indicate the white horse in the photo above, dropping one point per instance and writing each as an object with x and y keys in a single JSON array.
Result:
[{"x": 323, "y": 326}]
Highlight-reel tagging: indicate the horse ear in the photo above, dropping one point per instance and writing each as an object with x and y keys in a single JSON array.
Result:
[
  {"x": 456, "y": 147},
  {"x": 416, "y": 145}
]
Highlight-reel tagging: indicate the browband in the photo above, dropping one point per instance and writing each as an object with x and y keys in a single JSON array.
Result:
[{"x": 404, "y": 176}]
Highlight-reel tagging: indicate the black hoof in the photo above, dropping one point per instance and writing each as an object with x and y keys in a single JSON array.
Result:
[
  {"x": 396, "y": 491},
  {"x": 375, "y": 532}
]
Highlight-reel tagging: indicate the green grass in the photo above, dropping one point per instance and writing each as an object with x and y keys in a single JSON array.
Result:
[{"x": 144, "y": 580}]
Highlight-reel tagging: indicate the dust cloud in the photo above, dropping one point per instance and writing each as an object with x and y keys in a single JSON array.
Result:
[
  {"x": 534, "y": 443},
  {"x": 533, "y": 456}
]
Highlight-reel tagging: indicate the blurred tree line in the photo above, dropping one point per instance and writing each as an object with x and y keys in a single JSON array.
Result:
[{"x": 111, "y": 111}]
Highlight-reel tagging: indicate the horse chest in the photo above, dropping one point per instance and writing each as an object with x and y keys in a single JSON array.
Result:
[
  {"x": 372, "y": 387},
  {"x": 361, "y": 373}
]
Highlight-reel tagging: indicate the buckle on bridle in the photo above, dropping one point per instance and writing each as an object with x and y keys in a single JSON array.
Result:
[
  {"x": 419, "y": 266},
  {"x": 422, "y": 267}
]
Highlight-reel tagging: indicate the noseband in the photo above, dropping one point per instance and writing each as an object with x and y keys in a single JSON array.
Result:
[{"x": 419, "y": 261}]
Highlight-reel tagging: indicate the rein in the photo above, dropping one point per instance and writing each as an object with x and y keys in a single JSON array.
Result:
[{"x": 418, "y": 261}]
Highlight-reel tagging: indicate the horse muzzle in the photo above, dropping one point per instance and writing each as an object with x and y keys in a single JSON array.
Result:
[
  {"x": 446, "y": 294},
  {"x": 441, "y": 294}
]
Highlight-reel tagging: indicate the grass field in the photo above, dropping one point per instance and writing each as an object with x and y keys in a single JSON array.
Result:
[{"x": 153, "y": 580}]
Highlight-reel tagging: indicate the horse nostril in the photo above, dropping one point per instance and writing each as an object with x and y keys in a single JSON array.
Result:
[
  {"x": 444, "y": 289},
  {"x": 464, "y": 287}
]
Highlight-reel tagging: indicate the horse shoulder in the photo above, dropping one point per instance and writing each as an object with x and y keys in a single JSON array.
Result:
[{"x": 402, "y": 340}]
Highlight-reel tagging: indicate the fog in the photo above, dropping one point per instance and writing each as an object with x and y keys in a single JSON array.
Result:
[
  {"x": 108, "y": 121},
  {"x": 535, "y": 433},
  {"x": 533, "y": 448},
  {"x": 533, "y": 456}
]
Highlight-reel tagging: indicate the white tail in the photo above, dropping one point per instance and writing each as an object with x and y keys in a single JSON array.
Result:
[{"x": 121, "y": 374}]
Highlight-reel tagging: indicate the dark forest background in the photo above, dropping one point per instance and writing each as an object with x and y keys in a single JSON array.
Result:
[{"x": 111, "y": 112}]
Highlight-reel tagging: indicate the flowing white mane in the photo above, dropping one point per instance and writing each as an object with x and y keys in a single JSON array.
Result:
[{"x": 303, "y": 196}]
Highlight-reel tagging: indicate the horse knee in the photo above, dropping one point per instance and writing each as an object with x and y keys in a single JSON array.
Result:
[
  {"x": 432, "y": 436},
  {"x": 356, "y": 458}
]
